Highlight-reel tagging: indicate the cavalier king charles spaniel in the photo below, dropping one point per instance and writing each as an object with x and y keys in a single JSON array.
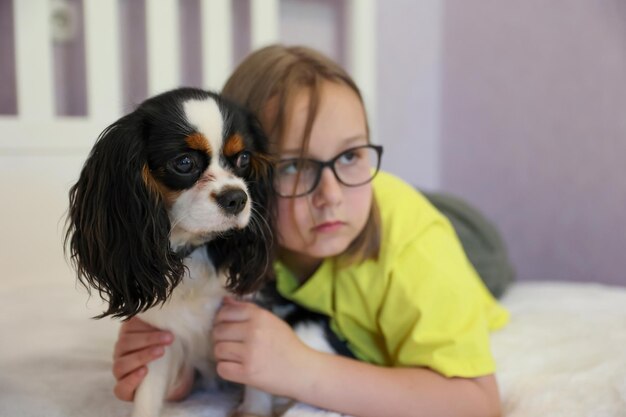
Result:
[{"x": 171, "y": 212}]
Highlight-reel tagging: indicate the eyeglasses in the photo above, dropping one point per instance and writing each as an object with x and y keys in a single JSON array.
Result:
[{"x": 356, "y": 166}]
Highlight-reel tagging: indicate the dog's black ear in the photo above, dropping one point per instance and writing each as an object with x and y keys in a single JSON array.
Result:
[
  {"x": 249, "y": 253},
  {"x": 117, "y": 227}
]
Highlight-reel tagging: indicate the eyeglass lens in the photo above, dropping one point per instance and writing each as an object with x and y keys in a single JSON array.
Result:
[{"x": 352, "y": 167}]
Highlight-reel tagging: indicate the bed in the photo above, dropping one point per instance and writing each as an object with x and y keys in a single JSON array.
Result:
[{"x": 562, "y": 354}]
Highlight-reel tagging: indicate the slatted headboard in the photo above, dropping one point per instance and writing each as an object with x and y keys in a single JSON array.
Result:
[{"x": 41, "y": 152}]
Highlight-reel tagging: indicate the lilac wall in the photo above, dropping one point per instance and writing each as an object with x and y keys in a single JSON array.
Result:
[
  {"x": 8, "y": 92},
  {"x": 534, "y": 129},
  {"x": 408, "y": 90},
  {"x": 70, "y": 72}
]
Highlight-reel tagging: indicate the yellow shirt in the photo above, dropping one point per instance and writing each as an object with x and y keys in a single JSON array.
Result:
[{"x": 419, "y": 304}]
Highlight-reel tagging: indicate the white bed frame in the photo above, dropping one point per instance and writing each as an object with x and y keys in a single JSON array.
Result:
[{"x": 41, "y": 153}]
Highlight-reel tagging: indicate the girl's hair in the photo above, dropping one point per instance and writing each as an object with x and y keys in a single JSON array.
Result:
[{"x": 268, "y": 82}]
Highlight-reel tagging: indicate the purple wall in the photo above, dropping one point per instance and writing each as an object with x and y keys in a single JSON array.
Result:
[
  {"x": 534, "y": 129},
  {"x": 70, "y": 71},
  {"x": 134, "y": 56},
  {"x": 408, "y": 90},
  {"x": 8, "y": 92}
]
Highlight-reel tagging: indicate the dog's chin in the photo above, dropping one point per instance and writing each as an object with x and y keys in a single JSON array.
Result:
[{"x": 181, "y": 238}]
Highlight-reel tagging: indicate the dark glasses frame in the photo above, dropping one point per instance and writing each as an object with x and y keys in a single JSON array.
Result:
[{"x": 330, "y": 164}]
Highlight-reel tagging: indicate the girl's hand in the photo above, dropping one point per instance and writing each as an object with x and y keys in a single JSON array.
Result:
[
  {"x": 138, "y": 343},
  {"x": 252, "y": 346}
]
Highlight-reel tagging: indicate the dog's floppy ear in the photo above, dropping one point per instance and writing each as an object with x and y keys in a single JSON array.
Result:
[
  {"x": 117, "y": 227},
  {"x": 249, "y": 253}
]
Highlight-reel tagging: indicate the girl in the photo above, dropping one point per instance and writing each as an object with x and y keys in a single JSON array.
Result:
[{"x": 359, "y": 246}]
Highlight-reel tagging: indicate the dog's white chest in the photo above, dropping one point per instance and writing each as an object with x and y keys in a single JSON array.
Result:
[{"x": 190, "y": 310}]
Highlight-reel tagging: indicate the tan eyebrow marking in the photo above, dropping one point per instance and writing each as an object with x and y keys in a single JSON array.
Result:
[
  {"x": 234, "y": 144},
  {"x": 157, "y": 189},
  {"x": 199, "y": 142},
  {"x": 150, "y": 182}
]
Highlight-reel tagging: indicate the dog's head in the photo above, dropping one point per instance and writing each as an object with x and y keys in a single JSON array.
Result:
[{"x": 186, "y": 168}]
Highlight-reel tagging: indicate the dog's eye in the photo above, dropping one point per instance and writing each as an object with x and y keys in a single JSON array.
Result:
[
  {"x": 184, "y": 164},
  {"x": 243, "y": 160}
]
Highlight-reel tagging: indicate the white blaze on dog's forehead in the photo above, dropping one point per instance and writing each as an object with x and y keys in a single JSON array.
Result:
[{"x": 205, "y": 115}]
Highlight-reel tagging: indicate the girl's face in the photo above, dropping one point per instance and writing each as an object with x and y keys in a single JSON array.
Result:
[{"x": 324, "y": 223}]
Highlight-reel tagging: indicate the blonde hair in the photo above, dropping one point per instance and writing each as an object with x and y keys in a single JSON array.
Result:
[{"x": 267, "y": 83}]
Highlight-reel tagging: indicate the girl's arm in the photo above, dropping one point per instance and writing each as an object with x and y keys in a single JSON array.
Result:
[
  {"x": 362, "y": 389},
  {"x": 256, "y": 348}
]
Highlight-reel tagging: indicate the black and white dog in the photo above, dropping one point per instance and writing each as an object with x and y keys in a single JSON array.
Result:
[{"x": 171, "y": 212}]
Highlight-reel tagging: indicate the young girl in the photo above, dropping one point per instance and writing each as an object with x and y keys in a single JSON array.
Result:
[{"x": 357, "y": 245}]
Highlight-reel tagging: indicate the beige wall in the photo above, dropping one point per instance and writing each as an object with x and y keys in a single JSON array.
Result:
[{"x": 534, "y": 129}]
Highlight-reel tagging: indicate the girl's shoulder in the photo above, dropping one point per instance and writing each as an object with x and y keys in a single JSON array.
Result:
[
  {"x": 405, "y": 213},
  {"x": 393, "y": 192}
]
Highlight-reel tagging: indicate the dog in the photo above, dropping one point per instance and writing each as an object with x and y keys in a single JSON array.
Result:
[{"x": 171, "y": 212}]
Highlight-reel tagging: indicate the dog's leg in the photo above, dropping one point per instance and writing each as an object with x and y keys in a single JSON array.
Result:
[
  {"x": 161, "y": 375},
  {"x": 255, "y": 403}
]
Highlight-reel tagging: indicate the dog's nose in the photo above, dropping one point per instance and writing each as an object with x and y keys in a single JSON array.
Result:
[{"x": 232, "y": 201}]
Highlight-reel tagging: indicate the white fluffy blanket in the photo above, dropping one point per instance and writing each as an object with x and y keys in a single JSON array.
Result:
[{"x": 563, "y": 354}]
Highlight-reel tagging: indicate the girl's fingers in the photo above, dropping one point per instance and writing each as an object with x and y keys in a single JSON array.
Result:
[
  {"x": 229, "y": 352},
  {"x": 125, "y": 388},
  {"x": 229, "y": 332},
  {"x": 130, "y": 342},
  {"x": 135, "y": 324},
  {"x": 231, "y": 371},
  {"x": 233, "y": 310},
  {"x": 125, "y": 365}
]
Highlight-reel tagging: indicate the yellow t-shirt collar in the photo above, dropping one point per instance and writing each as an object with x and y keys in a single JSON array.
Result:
[{"x": 316, "y": 294}]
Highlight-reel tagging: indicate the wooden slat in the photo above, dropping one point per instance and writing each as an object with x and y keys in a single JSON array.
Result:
[
  {"x": 163, "y": 37},
  {"x": 102, "y": 45},
  {"x": 264, "y": 22},
  {"x": 217, "y": 44},
  {"x": 361, "y": 52},
  {"x": 33, "y": 59}
]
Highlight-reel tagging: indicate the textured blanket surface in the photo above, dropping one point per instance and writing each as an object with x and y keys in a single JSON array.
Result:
[{"x": 563, "y": 354}]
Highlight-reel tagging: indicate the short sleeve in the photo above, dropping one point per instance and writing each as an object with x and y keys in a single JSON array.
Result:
[{"x": 435, "y": 311}]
